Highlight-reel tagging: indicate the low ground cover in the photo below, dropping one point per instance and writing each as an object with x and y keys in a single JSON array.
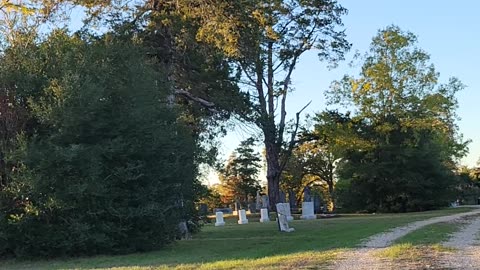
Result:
[{"x": 254, "y": 245}]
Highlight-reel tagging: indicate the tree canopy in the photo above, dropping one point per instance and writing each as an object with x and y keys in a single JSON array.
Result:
[
  {"x": 408, "y": 118},
  {"x": 239, "y": 178}
]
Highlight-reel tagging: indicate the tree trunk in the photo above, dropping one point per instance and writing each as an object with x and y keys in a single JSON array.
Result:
[
  {"x": 331, "y": 191},
  {"x": 273, "y": 174}
]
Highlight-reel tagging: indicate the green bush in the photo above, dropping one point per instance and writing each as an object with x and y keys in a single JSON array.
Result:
[{"x": 108, "y": 166}]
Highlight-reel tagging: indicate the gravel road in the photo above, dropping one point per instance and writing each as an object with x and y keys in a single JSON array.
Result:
[
  {"x": 466, "y": 238},
  {"x": 467, "y": 244}
]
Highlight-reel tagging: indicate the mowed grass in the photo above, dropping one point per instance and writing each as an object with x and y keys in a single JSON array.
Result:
[
  {"x": 430, "y": 234},
  {"x": 254, "y": 245}
]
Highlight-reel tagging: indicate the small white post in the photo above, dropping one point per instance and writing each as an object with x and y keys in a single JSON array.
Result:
[
  {"x": 307, "y": 211},
  {"x": 219, "y": 219},
  {"x": 264, "y": 215},
  {"x": 242, "y": 217},
  {"x": 288, "y": 211}
]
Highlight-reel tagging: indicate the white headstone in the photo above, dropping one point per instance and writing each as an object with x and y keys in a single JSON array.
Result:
[
  {"x": 307, "y": 211},
  {"x": 264, "y": 215},
  {"x": 282, "y": 218},
  {"x": 242, "y": 217},
  {"x": 219, "y": 221},
  {"x": 288, "y": 211}
]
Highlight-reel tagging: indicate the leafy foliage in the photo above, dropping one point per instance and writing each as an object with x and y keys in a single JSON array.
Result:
[
  {"x": 408, "y": 118},
  {"x": 109, "y": 169},
  {"x": 264, "y": 41},
  {"x": 238, "y": 180}
]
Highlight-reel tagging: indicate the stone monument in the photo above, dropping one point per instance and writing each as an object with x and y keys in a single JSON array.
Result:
[
  {"x": 282, "y": 197},
  {"x": 265, "y": 201},
  {"x": 252, "y": 208},
  {"x": 292, "y": 199},
  {"x": 282, "y": 218},
  {"x": 264, "y": 215},
  {"x": 236, "y": 207},
  {"x": 307, "y": 197},
  {"x": 242, "y": 217},
  {"x": 219, "y": 219},
  {"x": 259, "y": 201},
  {"x": 288, "y": 212},
  {"x": 307, "y": 211},
  {"x": 317, "y": 204}
]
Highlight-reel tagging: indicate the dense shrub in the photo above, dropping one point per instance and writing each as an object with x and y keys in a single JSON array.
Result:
[{"x": 107, "y": 166}]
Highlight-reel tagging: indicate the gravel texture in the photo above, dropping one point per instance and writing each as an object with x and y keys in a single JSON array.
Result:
[
  {"x": 467, "y": 244},
  {"x": 466, "y": 258},
  {"x": 387, "y": 238}
]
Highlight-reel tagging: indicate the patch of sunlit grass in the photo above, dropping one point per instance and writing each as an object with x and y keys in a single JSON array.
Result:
[
  {"x": 292, "y": 261},
  {"x": 399, "y": 251}
]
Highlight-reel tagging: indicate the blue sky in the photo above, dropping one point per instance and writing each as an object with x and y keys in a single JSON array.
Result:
[{"x": 448, "y": 31}]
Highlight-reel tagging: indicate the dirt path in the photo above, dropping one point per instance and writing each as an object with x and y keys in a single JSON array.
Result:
[
  {"x": 466, "y": 243},
  {"x": 365, "y": 258}
]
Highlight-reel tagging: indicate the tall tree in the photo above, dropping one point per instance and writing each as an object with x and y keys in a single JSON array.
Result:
[
  {"x": 409, "y": 120},
  {"x": 265, "y": 40},
  {"x": 239, "y": 178}
]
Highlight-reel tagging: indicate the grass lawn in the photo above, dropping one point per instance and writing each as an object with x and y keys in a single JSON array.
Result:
[
  {"x": 254, "y": 245},
  {"x": 430, "y": 234}
]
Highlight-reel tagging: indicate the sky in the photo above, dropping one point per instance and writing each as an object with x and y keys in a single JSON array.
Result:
[{"x": 449, "y": 31}]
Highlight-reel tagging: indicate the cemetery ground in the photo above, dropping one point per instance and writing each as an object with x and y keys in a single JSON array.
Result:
[{"x": 315, "y": 244}]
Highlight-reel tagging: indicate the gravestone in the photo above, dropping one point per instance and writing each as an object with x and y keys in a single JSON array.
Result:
[
  {"x": 282, "y": 218},
  {"x": 203, "y": 209},
  {"x": 288, "y": 212},
  {"x": 236, "y": 206},
  {"x": 317, "y": 204},
  {"x": 264, "y": 215},
  {"x": 306, "y": 195},
  {"x": 265, "y": 201},
  {"x": 252, "y": 208},
  {"x": 282, "y": 197},
  {"x": 184, "y": 232},
  {"x": 242, "y": 217},
  {"x": 307, "y": 211},
  {"x": 259, "y": 201},
  {"x": 292, "y": 199},
  {"x": 219, "y": 219}
]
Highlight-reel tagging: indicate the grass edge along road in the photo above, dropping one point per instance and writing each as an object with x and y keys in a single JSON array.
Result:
[
  {"x": 426, "y": 241},
  {"x": 254, "y": 245}
]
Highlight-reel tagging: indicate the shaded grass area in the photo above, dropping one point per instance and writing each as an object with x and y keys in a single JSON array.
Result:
[{"x": 254, "y": 245}]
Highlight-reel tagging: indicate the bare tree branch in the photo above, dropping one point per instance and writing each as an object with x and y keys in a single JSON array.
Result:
[
  {"x": 283, "y": 112},
  {"x": 291, "y": 145}
]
